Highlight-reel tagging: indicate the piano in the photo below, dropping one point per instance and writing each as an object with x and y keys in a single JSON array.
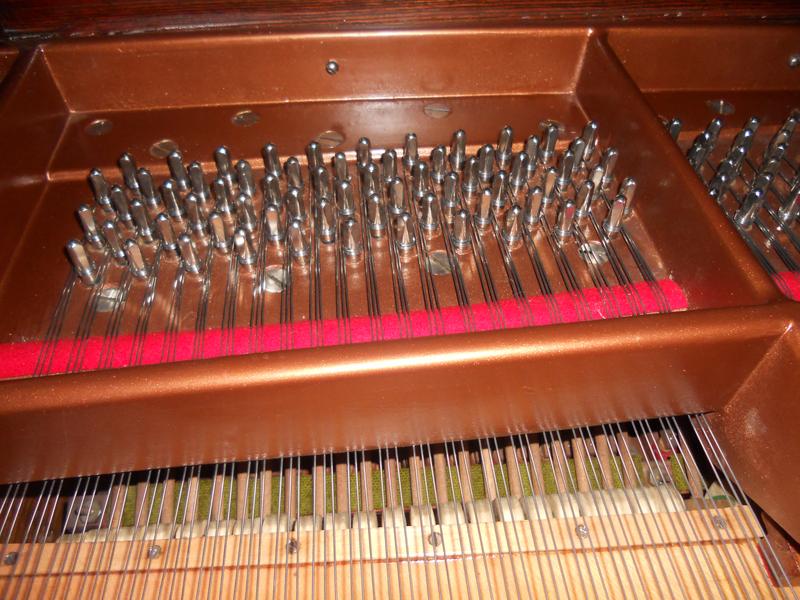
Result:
[{"x": 416, "y": 300}]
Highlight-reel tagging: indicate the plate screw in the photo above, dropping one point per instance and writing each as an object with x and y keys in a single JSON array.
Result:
[
  {"x": 794, "y": 61},
  {"x": 162, "y": 148},
  {"x": 434, "y": 539},
  {"x": 719, "y": 522},
  {"x": 10, "y": 558},
  {"x": 332, "y": 67},
  {"x": 436, "y": 110},
  {"x": 245, "y": 118},
  {"x": 154, "y": 551},
  {"x": 292, "y": 546},
  {"x": 99, "y": 127},
  {"x": 582, "y": 530}
]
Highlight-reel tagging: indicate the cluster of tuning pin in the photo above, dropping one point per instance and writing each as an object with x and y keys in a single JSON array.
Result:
[
  {"x": 765, "y": 167},
  {"x": 451, "y": 192}
]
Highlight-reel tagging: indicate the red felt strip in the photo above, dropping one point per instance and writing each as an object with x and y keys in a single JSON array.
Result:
[
  {"x": 19, "y": 359},
  {"x": 789, "y": 282}
]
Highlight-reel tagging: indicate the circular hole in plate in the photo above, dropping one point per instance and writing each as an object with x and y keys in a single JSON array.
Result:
[
  {"x": 245, "y": 118},
  {"x": 437, "y": 110},
  {"x": 439, "y": 263},
  {"x": 275, "y": 279},
  {"x": 99, "y": 127},
  {"x": 721, "y": 107},
  {"x": 329, "y": 139},
  {"x": 332, "y": 67},
  {"x": 162, "y": 148}
]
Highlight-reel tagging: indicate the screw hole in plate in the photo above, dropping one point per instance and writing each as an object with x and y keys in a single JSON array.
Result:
[
  {"x": 245, "y": 118},
  {"x": 162, "y": 148},
  {"x": 721, "y": 107},
  {"x": 99, "y": 127}
]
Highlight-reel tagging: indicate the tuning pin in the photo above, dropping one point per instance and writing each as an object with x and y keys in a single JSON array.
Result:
[
  {"x": 99, "y": 187},
  {"x": 326, "y": 221},
  {"x": 420, "y": 179},
  {"x": 273, "y": 225},
  {"x": 577, "y": 147},
  {"x": 294, "y": 176},
  {"x": 503, "y": 153},
  {"x": 294, "y": 204},
  {"x": 628, "y": 188},
  {"x": 791, "y": 205},
  {"x": 458, "y": 150},
  {"x": 352, "y": 244},
  {"x": 460, "y": 235},
  {"x": 674, "y": 126},
  {"x": 499, "y": 187},
  {"x": 748, "y": 212},
  {"x": 533, "y": 206},
  {"x": 197, "y": 181},
  {"x": 127, "y": 164},
  {"x": 83, "y": 265},
  {"x": 245, "y": 253},
  {"x": 314, "y": 156},
  {"x": 194, "y": 214},
  {"x": 172, "y": 200},
  {"x": 298, "y": 243},
  {"x": 376, "y": 216},
  {"x": 246, "y": 214},
  {"x": 564, "y": 220},
  {"x": 344, "y": 199},
  {"x": 485, "y": 163},
  {"x": 271, "y": 190},
  {"x": 613, "y": 221},
  {"x": 596, "y": 178},
  {"x": 589, "y": 137},
  {"x": 363, "y": 152},
  {"x": 608, "y": 162},
  {"x": 89, "y": 226},
  {"x": 583, "y": 199},
  {"x": 340, "y": 167},
  {"x": 219, "y": 238},
  {"x": 404, "y": 236},
  {"x": 244, "y": 177},
  {"x": 548, "y": 144},
  {"x": 483, "y": 212},
  {"x": 321, "y": 183},
  {"x": 450, "y": 189},
  {"x": 147, "y": 187},
  {"x": 532, "y": 152},
  {"x": 389, "y": 165},
  {"x": 512, "y": 227},
  {"x": 223, "y": 200},
  {"x": 519, "y": 172},
  {"x": 370, "y": 180},
  {"x": 142, "y": 221},
  {"x": 549, "y": 183},
  {"x": 189, "y": 258},
  {"x": 471, "y": 180},
  {"x": 410, "y": 151},
  {"x": 166, "y": 234},
  {"x": 136, "y": 263},
  {"x": 272, "y": 163},
  {"x": 397, "y": 196},
  {"x": 743, "y": 140},
  {"x": 565, "y": 170},
  {"x": 120, "y": 202},
  {"x": 114, "y": 240},
  {"x": 177, "y": 170},
  {"x": 437, "y": 163},
  {"x": 718, "y": 185},
  {"x": 429, "y": 218},
  {"x": 697, "y": 155},
  {"x": 222, "y": 159},
  {"x": 771, "y": 166}
]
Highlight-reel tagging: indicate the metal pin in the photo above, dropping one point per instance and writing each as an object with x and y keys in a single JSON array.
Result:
[
  {"x": 533, "y": 206},
  {"x": 471, "y": 181},
  {"x": 370, "y": 180},
  {"x": 172, "y": 200},
  {"x": 566, "y": 215},
  {"x": 410, "y": 151},
  {"x": 712, "y": 131},
  {"x": 420, "y": 179},
  {"x": 197, "y": 180},
  {"x": 273, "y": 223},
  {"x": 83, "y": 265},
  {"x": 147, "y": 187},
  {"x": 583, "y": 199},
  {"x": 389, "y": 165},
  {"x": 223, "y": 200},
  {"x": 314, "y": 156},
  {"x": 165, "y": 233},
  {"x": 485, "y": 163},
  {"x": 222, "y": 159},
  {"x": 326, "y": 222},
  {"x": 429, "y": 219},
  {"x": 344, "y": 198},
  {"x": 512, "y": 227},
  {"x": 272, "y": 163},
  {"x": 519, "y": 172},
  {"x": 744, "y": 139},
  {"x": 294, "y": 204},
  {"x": 719, "y": 184},
  {"x": 271, "y": 190},
  {"x": 405, "y": 238},
  {"x": 376, "y": 216},
  {"x": 136, "y": 263},
  {"x": 246, "y": 214},
  {"x": 142, "y": 221},
  {"x": 397, "y": 196},
  {"x": 791, "y": 205},
  {"x": 340, "y": 167},
  {"x": 352, "y": 244},
  {"x": 549, "y": 183},
  {"x": 499, "y": 187},
  {"x": 628, "y": 188},
  {"x": 565, "y": 166},
  {"x": 747, "y": 213},
  {"x": 298, "y": 243},
  {"x": 114, "y": 240},
  {"x": 674, "y": 128},
  {"x": 194, "y": 214},
  {"x": 321, "y": 183},
  {"x": 189, "y": 258},
  {"x": 99, "y": 187},
  {"x": 437, "y": 163},
  {"x": 613, "y": 221},
  {"x": 608, "y": 162},
  {"x": 363, "y": 152},
  {"x": 120, "y": 201},
  {"x": 483, "y": 212},
  {"x": 547, "y": 148},
  {"x": 177, "y": 170},
  {"x": 762, "y": 182},
  {"x": 294, "y": 177},
  {"x": 597, "y": 180},
  {"x": 127, "y": 164},
  {"x": 244, "y": 176},
  {"x": 450, "y": 189},
  {"x": 245, "y": 253},
  {"x": 458, "y": 150},
  {"x": 503, "y": 153},
  {"x": 752, "y": 124},
  {"x": 589, "y": 137},
  {"x": 578, "y": 147},
  {"x": 697, "y": 155},
  {"x": 460, "y": 235},
  {"x": 771, "y": 166},
  {"x": 532, "y": 152},
  {"x": 89, "y": 226}
]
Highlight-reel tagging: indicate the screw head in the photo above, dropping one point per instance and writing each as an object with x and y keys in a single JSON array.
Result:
[
  {"x": 154, "y": 551},
  {"x": 435, "y": 539},
  {"x": 10, "y": 558},
  {"x": 99, "y": 127},
  {"x": 162, "y": 148},
  {"x": 794, "y": 61},
  {"x": 245, "y": 118},
  {"x": 292, "y": 546},
  {"x": 582, "y": 530},
  {"x": 332, "y": 67},
  {"x": 436, "y": 110},
  {"x": 719, "y": 522}
]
